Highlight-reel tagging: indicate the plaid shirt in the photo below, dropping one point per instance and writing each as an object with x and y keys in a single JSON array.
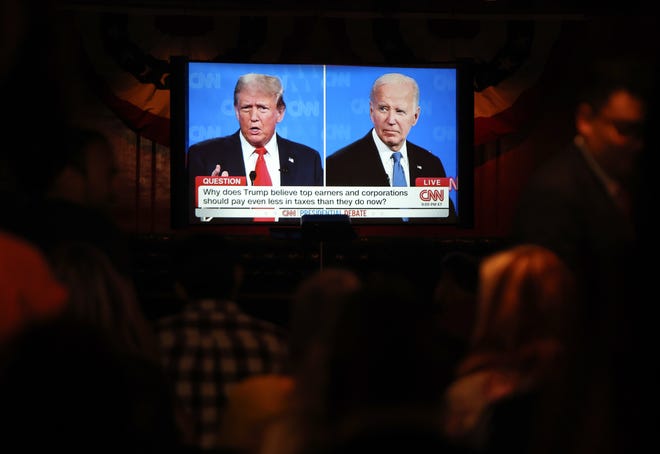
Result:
[{"x": 210, "y": 345}]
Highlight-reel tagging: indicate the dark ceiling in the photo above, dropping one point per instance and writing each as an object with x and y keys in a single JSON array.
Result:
[{"x": 365, "y": 8}]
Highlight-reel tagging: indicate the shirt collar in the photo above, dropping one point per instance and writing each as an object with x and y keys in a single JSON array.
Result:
[
  {"x": 385, "y": 152},
  {"x": 271, "y": 146},
  {"x": 610, "y": 184}
]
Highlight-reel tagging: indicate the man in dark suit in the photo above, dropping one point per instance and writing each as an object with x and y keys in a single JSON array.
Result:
[
  {"x": 578, "y": 203},
  {"x": 259, "y": 106},
  {"x": 359, "y": 164},
  {"x": 394, "y": 110}
]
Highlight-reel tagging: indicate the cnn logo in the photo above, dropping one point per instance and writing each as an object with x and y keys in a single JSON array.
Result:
[{"x": 428, "y": 195}]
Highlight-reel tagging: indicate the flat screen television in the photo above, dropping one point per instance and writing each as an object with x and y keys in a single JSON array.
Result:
[{"x": 327, "y": 108}]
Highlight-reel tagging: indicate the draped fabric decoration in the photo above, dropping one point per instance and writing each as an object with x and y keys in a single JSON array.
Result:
[{"x": 129, "y": 57}]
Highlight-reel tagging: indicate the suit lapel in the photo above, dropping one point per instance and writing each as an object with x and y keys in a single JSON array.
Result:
[
  {"x": 415, "y": 167},
  {"x": 287, "y": 161},
  {"x": 372, "y": 166},
  {"x": 237, "y": 163}
]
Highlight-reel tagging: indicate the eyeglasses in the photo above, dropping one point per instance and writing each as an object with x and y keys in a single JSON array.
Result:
[{"x": 626, "y": 128}]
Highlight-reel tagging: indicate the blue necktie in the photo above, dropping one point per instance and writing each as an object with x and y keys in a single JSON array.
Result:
[{"x": 398, "y": 178}]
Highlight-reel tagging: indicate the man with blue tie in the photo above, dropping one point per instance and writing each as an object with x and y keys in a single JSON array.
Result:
[{"x": 384, "y": 157}]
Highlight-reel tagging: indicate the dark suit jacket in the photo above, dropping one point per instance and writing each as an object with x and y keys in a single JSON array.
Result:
[
  {"x": 300, "y": 165},
  {"x": 359, "y": 164},
  {"x": 567, "y": 209}
]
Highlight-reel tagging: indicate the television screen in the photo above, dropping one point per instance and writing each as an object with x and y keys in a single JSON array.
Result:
[{"x": 329, "y": 134}]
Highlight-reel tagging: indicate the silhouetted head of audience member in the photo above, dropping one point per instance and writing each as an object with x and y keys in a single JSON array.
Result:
[
  {"x": 315, "y": 306},
  {"x": 103, "y": 297},
  {"x": 64, "y": 386},
  {"x": 383, "y": 354},
  {"x": 611, "y": 114},
  {"x": 76, "y": 202},
  {"x": 206, "y": 265},
  {"x": 375, "y": 366},
  {"x": 518, "y": 352},
  {"x": 455, "y": 294},
  {"x": 526, "y": 310},
  {"x": 87, "y": 171}
]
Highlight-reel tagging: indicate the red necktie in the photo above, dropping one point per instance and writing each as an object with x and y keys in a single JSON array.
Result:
[{"x": 262, "y": 177}]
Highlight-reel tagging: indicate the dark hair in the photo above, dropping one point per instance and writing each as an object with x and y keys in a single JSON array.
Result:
[
  {"x": 607, "y": 75},
  {"x": 204, "y": 263},
  {"x": 78, "y": 139},
  {"x": 103, "y": 296},
  {"x": 462, "y": 267}
]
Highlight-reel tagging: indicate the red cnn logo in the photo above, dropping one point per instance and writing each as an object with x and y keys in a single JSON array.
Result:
[{"x": 427, "y": 195}]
